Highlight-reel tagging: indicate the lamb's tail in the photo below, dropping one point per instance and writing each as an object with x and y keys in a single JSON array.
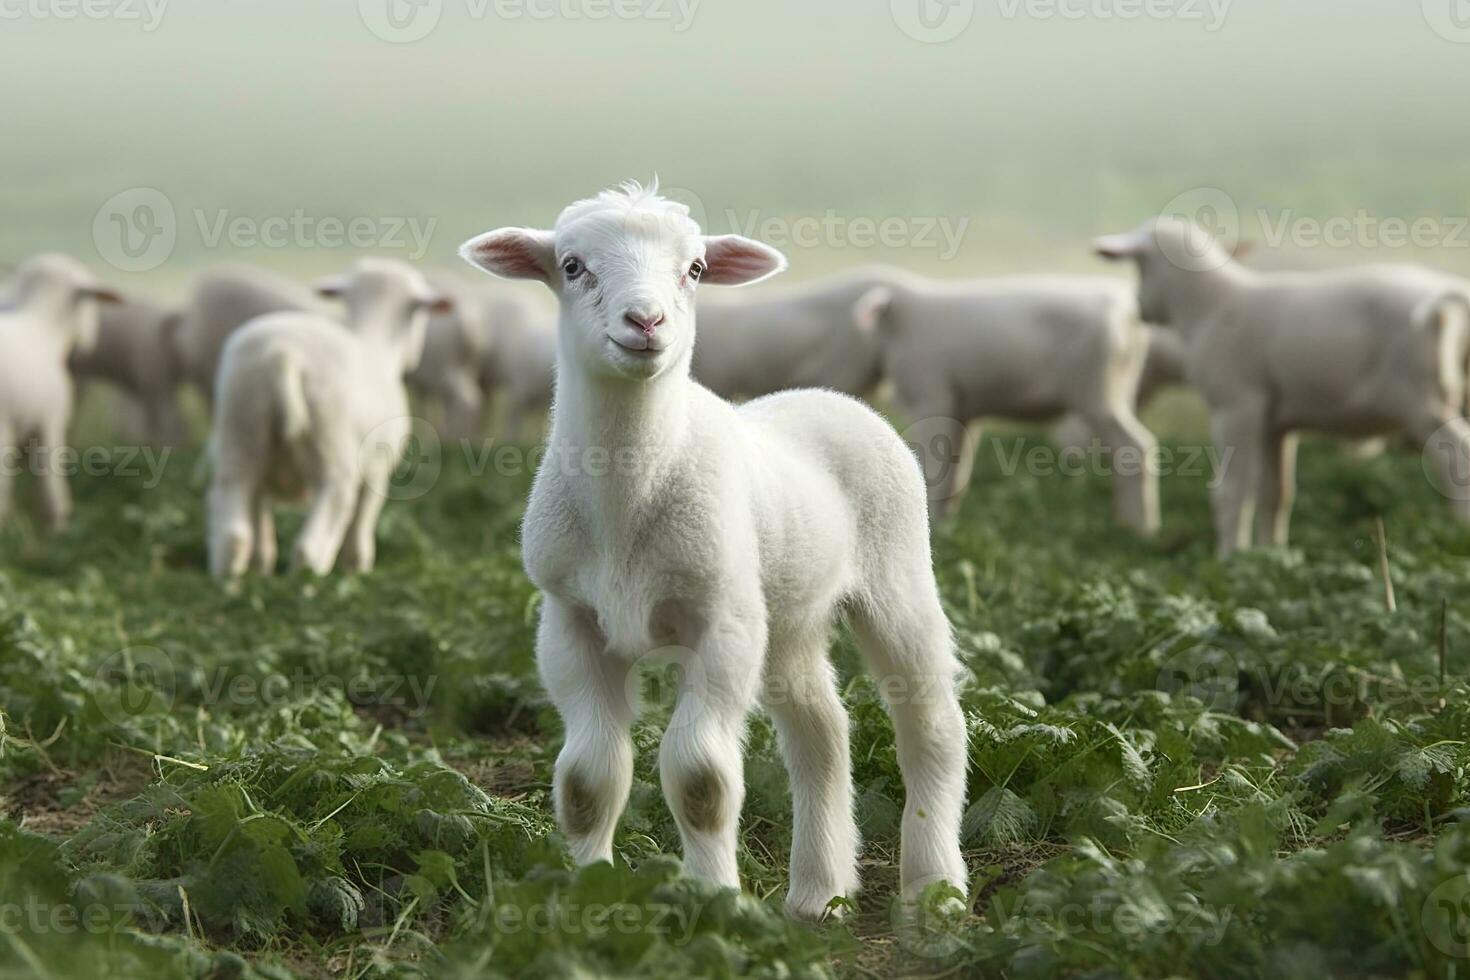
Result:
[
  {"x": 870, "y": 309},
  {"x": 294, "y": 416},
  {"x": 1447, "y": 315}
]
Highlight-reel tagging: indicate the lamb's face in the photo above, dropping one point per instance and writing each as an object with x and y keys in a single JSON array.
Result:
[
  {"x": 67, "y": 287},
  {"x": 1164, "y": 250},
  {"x": 388, "y": 301},
  {"x": 626, "y": 265},
  {"x": 627, "y": 278}
]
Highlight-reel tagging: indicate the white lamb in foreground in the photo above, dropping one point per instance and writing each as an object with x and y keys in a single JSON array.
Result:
[
  {"x": 307, "y": 406},
  {"x": 1028, "y": 349},
  {"x": 1355, "y": 353},
  {"x": 53, "y": 313},
  {"x": 666, "y": 523},
  {"x": 807, "y": 336}
]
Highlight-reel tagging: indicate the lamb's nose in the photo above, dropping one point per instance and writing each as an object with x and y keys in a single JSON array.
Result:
[{"x": 647, "y": 321}]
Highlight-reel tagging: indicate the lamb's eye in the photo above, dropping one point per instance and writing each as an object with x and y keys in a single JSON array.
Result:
[
  {"x": 572, "y": 267},
  {"x": 696, "y": 271}
]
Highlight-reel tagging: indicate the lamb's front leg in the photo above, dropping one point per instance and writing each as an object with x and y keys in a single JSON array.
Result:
[
  {"x": 701, "y": 760},
  {"x": 1240, "y": 439},
  {"x": 589, "y": 687},
  {"x": 800, "y": 694},
  {"x": 55, "y": 491}
]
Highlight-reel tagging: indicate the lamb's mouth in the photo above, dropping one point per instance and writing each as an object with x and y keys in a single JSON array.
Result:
[{"x": 648, "y": 352}]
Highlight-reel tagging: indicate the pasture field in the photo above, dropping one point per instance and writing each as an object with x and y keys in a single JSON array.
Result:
[{"x": 1178, "y": 766}]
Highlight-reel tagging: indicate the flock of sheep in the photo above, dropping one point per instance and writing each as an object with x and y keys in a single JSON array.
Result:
[{"x": 745, "y": 512}]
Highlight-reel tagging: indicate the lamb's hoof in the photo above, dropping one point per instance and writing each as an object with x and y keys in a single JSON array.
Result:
[{"x": 816, "y": 907}]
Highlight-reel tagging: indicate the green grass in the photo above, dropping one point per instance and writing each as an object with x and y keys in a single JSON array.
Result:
[{"x": 1179, "y": 766}]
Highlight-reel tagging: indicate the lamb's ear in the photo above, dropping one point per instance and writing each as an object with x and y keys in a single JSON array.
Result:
[
  {"x": 513, "y": 253},
  {"x": 1115, "y": 247},
  {"x": 103, "y": 295},
  {"x": 438, "y": 304},
  {"x": 332, "y": 287},
  {"x": 734, "y": 260}
]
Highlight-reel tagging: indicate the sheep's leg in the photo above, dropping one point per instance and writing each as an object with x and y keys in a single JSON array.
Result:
[
  {"x": 464, "y": 409},
  {"x": 326, "y": 524},
  {"x": 591, "y": 690},
  {"x": 801, "y": 697},
  {"x": 701, "y": 761},
  {"x": 1240, "y": 436},
  {"x": 1135, "y": 469},
  {"x": 265, "y": 536},
  {"x": 360, "y": 551},
  {"x": 1277, "y": 490},
  {"x": 55, "y": 493},
  {"x": 231, "y": 534},
  {"x": 1446, "y": 441},
  {"x": 907, "y": 644}
]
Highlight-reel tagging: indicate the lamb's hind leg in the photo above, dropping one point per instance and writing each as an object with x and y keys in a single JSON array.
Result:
[
  {"x": 908, "y": 646},
  {"x": 1135, "y": 468},
  {"x": 590, "y": 689},
  {"x": 800, "y": 694}
]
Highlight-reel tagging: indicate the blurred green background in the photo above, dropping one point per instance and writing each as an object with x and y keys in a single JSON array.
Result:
[{"x": 1039, "y": 124}]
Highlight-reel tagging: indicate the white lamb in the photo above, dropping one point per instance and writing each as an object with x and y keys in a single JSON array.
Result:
[
  {"x": 666, "y": 521},
  {"x": 1030, "y": 349},
  {"x": 494, "y": 343},
  {"x": 53, "y": 312},
  {"x": 807, "y": 336},
  {"x": 136, "y": 352},
  {"x": 1354, "y": 353},
  {"x": 223, "y": 300},
  {"x": 307, "y": 406}
]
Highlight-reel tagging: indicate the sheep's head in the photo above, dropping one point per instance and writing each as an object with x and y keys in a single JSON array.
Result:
[
  {"x": 388, "y": 302},
  {"x": 625, "y": 265},
  {"x": 1168, "y": 251},
  {"x": 68, "y": 293}
]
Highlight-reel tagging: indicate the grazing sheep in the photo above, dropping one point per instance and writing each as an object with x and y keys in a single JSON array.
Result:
[
  {"x": 53, "y": 312},
  {"x": 223, "y": 300},
  {"x": 1029, "y": 349},
  {"x": 136, "y": 350},
  {"x": 1353, "y": 353},
  {"x": 306, "y": 405},
  {"x": 494, "y": 342},
  {"x": 668, "y": 524},
  {"x": 807, "y": 337}
]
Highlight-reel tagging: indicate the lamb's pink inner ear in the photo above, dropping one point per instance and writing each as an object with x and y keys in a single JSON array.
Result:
[
  {"x": 513, "y": 253},
  {"x": 734, "y": 260}
]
